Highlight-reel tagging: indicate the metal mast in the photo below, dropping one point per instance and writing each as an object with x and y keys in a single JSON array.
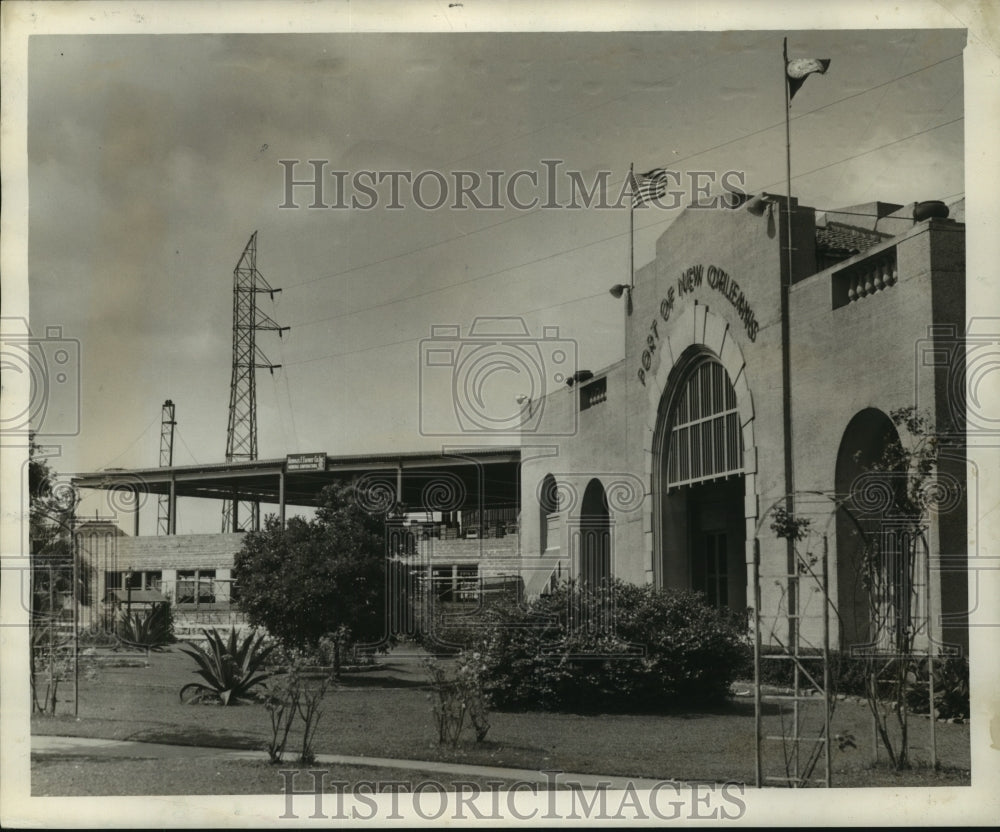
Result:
[
  {"x": 167, "y": 424},
  {"x": 241, "y": 437}
]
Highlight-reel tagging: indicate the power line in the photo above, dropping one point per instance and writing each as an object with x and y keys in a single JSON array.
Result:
[
  {"x": 421, "y": 337},
  {"x": 689, "y": 71},
  {"x": 871, "y": 150},
  {"x": 177, "y": 433},
  {"x": 867, "y": 213},
  {"x": 459, "y": 283},
  {"x": 815, "y": 110},
  {"x": 479, "y": 152},
  {"x": 701, "y": 152},
  {"x": 572, "y": 249},
  {"x": 133, "y": 443}
]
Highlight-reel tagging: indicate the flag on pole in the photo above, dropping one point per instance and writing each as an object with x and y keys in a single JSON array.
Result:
[
  {"x": 645, "y": 187},
  {"x": 798, "y": 69}
]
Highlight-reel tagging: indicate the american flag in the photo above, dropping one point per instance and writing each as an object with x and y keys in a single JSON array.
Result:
[{"x": 646, "y": 187}]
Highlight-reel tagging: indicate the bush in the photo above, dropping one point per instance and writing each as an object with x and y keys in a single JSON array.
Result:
[
  {"x": 231, "y": 670},
  {"x": 456, "y": 695},
  {"x": 152, "y": 630},
  {"x": 847, "y": 672},
  {"x": 624, "y": 648},
  {"x": 849, "y": 675},
  {"x": 97, "y": 636},
  {"x": 285, "y": 696},
  {"x": 951, "y": 687}
]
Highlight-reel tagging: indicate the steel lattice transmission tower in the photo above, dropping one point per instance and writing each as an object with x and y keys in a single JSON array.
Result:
[
  {"x": 167, "y": 424},
  {"x": 248, "y": 320}
]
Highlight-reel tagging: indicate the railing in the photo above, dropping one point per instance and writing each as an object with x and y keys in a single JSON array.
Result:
[
  {"x": 865, "y": 278},
  {"x": 594, "y": 393}
]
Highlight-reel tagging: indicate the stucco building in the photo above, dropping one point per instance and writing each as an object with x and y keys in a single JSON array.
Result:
[{"x": 753, "y": 380}]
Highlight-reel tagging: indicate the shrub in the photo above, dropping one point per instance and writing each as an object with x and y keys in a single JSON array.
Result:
[
  {"x": 847, "y": 672},
  {"x": 151, "y": 630},
  {"x": 51, "y": 663},
  {"x": 287, "y": 695},
  {"x": 230, "y": 669},
  {"x": 458, "y": 695},
  {"x": 311, "y": 694},
  {"x": 624, "y": 648},
  {"x": 281, "y": 700},
  {"x": 97, "y": 636},
  {"x": 951, "y": 687}
]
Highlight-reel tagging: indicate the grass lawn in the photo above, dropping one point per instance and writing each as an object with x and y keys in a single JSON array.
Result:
[
  {"x": 82, "y": 776},
  {"x": 386, "y": 713}
]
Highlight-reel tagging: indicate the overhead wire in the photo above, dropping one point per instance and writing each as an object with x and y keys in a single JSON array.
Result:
[
  {"x": 601, "y": 240},
  {"x": 132, "y": 444},
  {"x": 701, "y": 152},
  {"x": 592, "y": 243},
  {"x": 421, "y": 337},
  {"x": 598, "y": 241}
]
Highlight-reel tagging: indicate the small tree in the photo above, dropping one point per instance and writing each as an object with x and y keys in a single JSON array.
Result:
[
  {"x": 322, "y": 577},
  {"x": 50, "y": 516},
  {"x": 50, "y": 535}
]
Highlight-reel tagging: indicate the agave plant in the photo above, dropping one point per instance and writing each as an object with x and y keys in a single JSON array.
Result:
[
  {"x": 230, "y": 669},
  {"x": 152, "y": 630}
]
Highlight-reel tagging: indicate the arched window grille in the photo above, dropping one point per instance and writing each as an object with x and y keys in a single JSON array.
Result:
[{"x": 705, "y": 438}]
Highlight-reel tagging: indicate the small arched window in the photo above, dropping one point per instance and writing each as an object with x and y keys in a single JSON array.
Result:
[{"x": 548, "y": 504}]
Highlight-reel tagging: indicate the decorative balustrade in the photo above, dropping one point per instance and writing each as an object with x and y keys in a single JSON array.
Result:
[{"x": 865, "y": 278}]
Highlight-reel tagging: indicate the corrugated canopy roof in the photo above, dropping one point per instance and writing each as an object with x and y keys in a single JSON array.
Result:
[{"x": 487, "y": 475}]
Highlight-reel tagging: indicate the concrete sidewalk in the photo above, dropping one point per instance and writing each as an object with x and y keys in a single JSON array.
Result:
[{"x": 46, "y": 745}]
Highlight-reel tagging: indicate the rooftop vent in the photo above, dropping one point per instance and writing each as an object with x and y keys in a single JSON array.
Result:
[{"x": 933, "y": 208}]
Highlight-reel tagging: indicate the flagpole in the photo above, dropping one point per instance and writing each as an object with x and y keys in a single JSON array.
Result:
[
  {"x": 788, "y": 162},
  {"x": 786, "y": 366},
  {"x": 631, "y": 228}
]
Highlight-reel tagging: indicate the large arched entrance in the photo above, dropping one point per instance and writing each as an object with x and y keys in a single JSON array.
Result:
[{"x": 700, "y": 479}]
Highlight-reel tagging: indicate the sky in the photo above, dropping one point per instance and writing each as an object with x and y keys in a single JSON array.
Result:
[
  {"x": 142, "y": 146},
  {"x": 153, "y": 158}
]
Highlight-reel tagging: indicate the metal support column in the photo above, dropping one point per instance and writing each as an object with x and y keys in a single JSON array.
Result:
[
  {"x": 172, "y": 527},
  {"x": 281, "y": 498}
]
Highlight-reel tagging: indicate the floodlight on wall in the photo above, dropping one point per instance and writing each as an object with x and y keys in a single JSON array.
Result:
[
  {"x": 522, "y": 399},
  {"x": 620, "y": 289},
  {"x": 734, "y": 199},
  {"x": 760, "y": 203}
]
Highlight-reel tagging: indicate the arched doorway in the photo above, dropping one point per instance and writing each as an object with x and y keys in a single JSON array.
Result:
[
  {"x": 700, "y": 482},
  {"x": 595, "y": 536},
  {"x": 880, "y": 549}
]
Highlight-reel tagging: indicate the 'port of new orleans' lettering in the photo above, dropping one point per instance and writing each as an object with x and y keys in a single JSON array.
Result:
[{"x": 689, "y": 280}]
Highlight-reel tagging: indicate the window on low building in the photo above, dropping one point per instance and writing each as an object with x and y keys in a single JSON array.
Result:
[{"x": 195, "y": 586}]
